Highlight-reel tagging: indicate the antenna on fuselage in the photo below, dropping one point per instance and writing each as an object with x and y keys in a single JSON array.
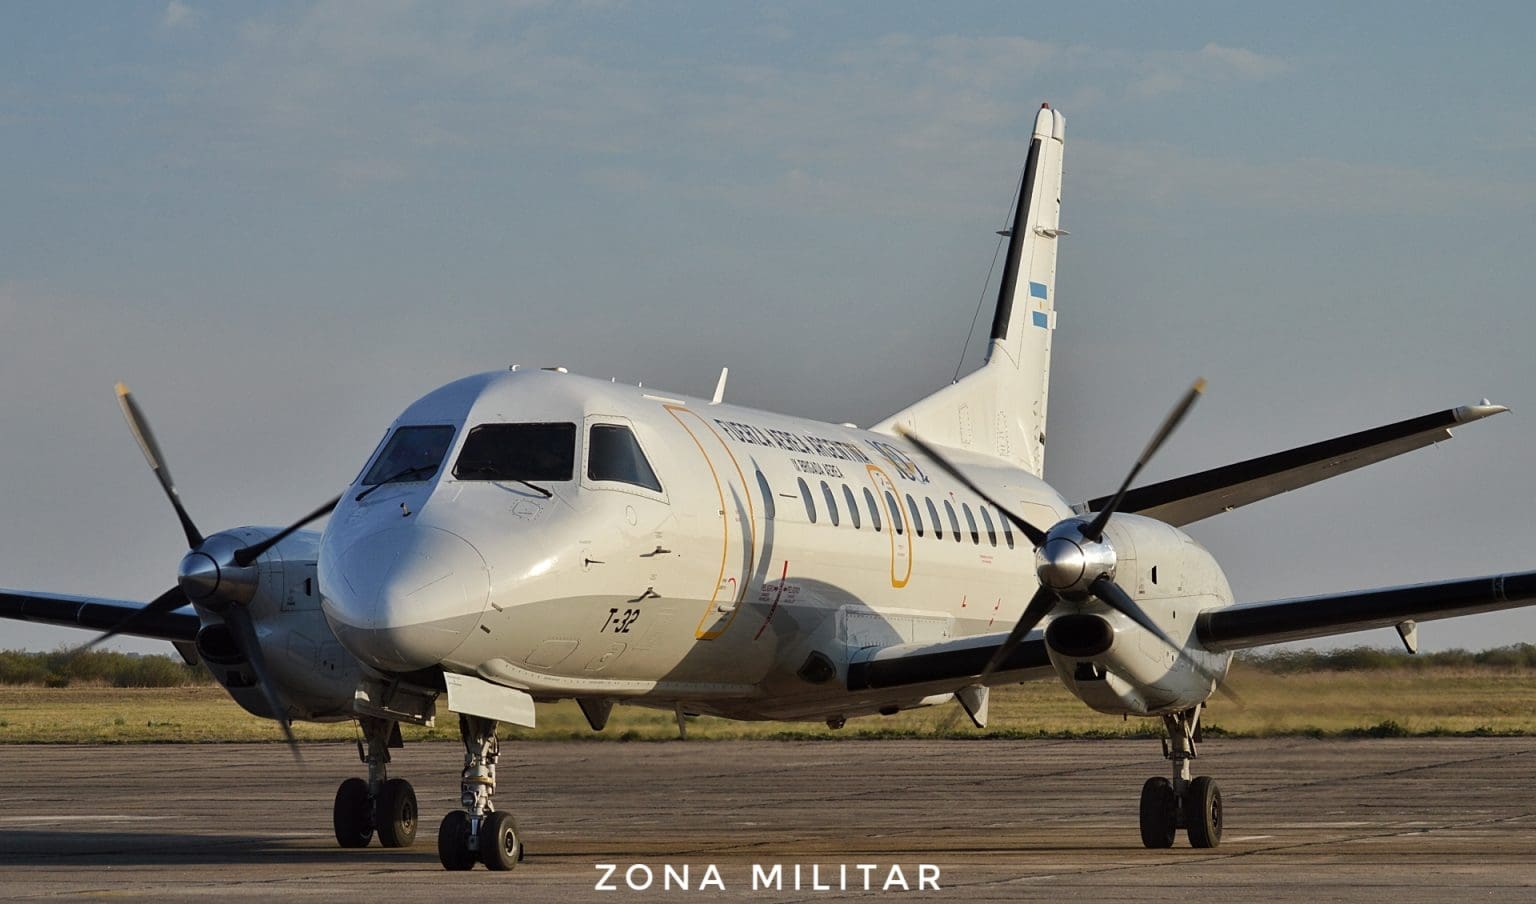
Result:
[{"x": 720, "y": 386}]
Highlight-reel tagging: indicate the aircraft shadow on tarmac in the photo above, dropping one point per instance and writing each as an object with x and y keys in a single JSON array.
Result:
[{"x": 48, "y": 847}]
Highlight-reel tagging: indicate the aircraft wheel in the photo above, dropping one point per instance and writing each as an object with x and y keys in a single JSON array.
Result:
[
  {"x": 500, "y": 847},
  {"x": 352, "y": 815},
  {"x": 1159, "y": 813},
  {"x": 396, "y": 814},
  {"x": 1202, "y": 812},
  {"x": 453, "y": 842}
]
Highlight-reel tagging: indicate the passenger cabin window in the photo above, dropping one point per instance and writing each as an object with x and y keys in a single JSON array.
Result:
[
  {"x": 954, "y": 523},
  {"x": 518, "y": 452},
  {"x": 970, "y": 521},
  {"x": 933, "y": 516},
  {"x": 874, "y": 508},
  {"x": 412, "y": 453},
  {"x": 613, "y": 453},
  {"x": 810, "y": 503},
  {"x": 853, "y": 506},
  {"x": 826, "y": 493},
  {"x": 986, "y": 518},
  {"x": 896, "y": 524},
  {"x": 762, "y": 484},
  {"x": 917, "y": 518},
  {"x": 1007, "y": 528}
]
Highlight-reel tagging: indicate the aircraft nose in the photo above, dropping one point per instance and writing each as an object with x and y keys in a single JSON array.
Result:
[{"x": 404, "y": 598}]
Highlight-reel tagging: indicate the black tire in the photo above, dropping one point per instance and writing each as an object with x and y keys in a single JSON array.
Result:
[
  {"x": 1159, "y": 813},
  {"x": 1202, "y": 812},
  {"x": 395, "y": 814},
  {"x": 352, "y": 815},
  {"x": 453, "y": 842},
  {"x": 500, "y": 846}
]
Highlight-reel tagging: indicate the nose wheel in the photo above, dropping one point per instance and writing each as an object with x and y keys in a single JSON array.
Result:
[
  {"x": 1193, "y": 805},
  {"x": 479, "y": 833}
]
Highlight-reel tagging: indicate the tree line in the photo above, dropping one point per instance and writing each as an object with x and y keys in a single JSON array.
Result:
[{"x": 108, "y": 668}]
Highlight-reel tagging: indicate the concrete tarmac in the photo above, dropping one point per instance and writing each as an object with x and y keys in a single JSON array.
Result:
[{"x": 1396, "y": 820}]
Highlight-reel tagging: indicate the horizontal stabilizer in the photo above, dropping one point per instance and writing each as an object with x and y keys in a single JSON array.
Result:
[
  {"x": 1258, "y": 624},
  {"x": 96, "y": 615},
  {"x": 1185, "y": 500}
]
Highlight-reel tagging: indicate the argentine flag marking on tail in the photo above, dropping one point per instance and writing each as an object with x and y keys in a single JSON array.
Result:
[
  {"x": 1037, "y": 290},
  {"x": 1042, "y": 319}
]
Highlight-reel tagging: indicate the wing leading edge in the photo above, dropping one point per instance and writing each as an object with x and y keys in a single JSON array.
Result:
[
  {"x": 1259, "y": 624},
  {"x": 1185, "y": 500},
  {"x": 97, "y": 615}
]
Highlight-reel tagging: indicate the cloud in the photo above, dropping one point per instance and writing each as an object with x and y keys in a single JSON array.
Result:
[
  {"x": 178, "y": 15},
  {"x": 1163, "y": 73},
  {"x": 891, "y": 125},
  {"x": 1162, "y": 174}
]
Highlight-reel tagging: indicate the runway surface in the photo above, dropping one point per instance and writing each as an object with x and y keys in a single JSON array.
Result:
[{"x": 1397, "y": 820}]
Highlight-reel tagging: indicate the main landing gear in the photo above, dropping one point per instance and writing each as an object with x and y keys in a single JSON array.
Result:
[
  {"x": 479, "y": 832},
  {"x": 380, "y": 804},
  {"x": 1191, "y": 805}
]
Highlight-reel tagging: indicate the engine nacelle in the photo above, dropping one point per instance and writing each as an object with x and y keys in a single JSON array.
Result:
[
  {"x": 1118, "y": 667},
  {"x": 315, "y": 676}
]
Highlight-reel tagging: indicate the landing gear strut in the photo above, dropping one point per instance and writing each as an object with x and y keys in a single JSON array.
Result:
[
  {"x": 380, "y": 804},
  {"x": 1193, "y": 805},
  {"x": 479, "y": 832}
]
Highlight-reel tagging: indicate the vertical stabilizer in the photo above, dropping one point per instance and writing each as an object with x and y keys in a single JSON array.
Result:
[{"x": 1000, "y": 409}]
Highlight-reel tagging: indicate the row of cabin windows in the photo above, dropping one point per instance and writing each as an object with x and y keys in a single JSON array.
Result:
[{"x": 900, "y": 521}]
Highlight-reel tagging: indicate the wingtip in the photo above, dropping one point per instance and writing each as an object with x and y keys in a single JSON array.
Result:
[
  {"x": 1200, "y": 385},
  {"x": 1479, "y": 411},
  {"x": 121, "y": 389}
]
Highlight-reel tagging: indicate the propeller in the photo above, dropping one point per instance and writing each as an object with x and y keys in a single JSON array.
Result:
[
  {"x": 1072, "y": 558},
  {"x": 139, "y": 426},
  {"x": 217, "y": 572}
]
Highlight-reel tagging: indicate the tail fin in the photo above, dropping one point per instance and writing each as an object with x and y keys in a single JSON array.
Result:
[{"x": 1000, "y": 409}]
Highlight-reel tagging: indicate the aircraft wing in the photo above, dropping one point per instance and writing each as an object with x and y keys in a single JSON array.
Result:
[
  {"x": 96, "y": 614},
  {"x": 1258, "y": 624},
  {"x": 1185, "y": 500},
  {"x": 910, "y": 664}
]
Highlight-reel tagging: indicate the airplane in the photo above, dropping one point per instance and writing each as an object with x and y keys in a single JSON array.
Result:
[{"x": 530, "y": 535}]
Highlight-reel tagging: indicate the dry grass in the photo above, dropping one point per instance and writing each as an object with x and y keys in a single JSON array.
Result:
[{"x": 1435, "y": 701}]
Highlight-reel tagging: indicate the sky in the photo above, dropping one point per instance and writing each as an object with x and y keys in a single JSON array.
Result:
[{"x": 282, "y": 223}]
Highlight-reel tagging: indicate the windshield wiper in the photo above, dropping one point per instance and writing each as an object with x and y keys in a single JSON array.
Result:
[
  {"x": 488, "y": 472},
  {"x": 398, "y": 477}
]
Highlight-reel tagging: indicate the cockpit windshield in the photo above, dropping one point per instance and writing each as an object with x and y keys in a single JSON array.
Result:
[
  {"x": 518, "y": 452},
  {"x": 412, "y": 453}
]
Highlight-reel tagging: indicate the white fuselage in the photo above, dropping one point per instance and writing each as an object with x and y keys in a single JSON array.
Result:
[{"x": 775, "y": 550}]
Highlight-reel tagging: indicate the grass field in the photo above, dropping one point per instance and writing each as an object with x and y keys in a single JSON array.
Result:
[{"x": 1380, "y": 702}]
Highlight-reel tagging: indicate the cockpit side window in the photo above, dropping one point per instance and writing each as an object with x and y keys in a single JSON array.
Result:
[
  {"x": 613, "y": 453},
  {"x": 518, "y": 452},
  {"x": 410, "y": 454}
]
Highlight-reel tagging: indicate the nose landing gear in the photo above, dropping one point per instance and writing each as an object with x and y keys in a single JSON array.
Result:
[
  {"x": 479, "y": 832},
  {"x": 380, "y": 804},
  {"x": 1193, "y": 805}
]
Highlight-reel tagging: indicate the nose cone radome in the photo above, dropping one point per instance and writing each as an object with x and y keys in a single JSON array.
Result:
[{"x": 404, "y": 598}]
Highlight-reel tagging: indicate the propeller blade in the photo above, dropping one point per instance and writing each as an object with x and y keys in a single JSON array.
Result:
[
  {"x": 248, "y": 554},
  {"x": 1115, "y": 597},
  {"x": 1036, "y": 535},
  {"x": 169, "y": 601},
  {"x": 139, "y": 426},
  {"x": 239, "y": 618},
  {"x": 1095, "y": 529},
  {"x": 1039, "y": 606}
]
